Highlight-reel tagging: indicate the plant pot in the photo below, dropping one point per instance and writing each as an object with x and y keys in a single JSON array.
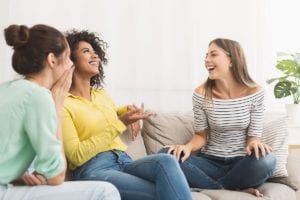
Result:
[{"x": 293, "y": 113}]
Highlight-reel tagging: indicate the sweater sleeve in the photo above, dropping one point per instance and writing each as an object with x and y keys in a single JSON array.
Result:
[{"x": 40, "y": 125}]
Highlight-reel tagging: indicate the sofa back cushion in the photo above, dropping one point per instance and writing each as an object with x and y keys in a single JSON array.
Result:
[
  {"x": 166, "y": 128},
  {"x": 173, "y": 128}
]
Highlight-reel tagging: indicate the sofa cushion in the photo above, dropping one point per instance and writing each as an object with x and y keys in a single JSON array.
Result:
[
  {"x": 200, "y": 196},
  {"x": 293, "y": 168},
  {"x": 173, "y": 128},
  {"x": 272, "y": 191},
  {"x": 275, "y": 134},
  {"x": 166, "y": 128}
]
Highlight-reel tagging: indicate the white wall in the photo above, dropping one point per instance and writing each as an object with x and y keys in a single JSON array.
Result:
[{"x": 157, "y": 46}]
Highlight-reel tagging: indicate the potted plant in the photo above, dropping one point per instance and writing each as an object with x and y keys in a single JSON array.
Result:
[{"x": 289, "y": 83}]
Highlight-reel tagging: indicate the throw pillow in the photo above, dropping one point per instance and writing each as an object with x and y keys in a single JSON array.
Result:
[
  {"x": 166, "y": 128},
  {"x": 173, "y": 128},
  {"x": 275, "y": 135}
]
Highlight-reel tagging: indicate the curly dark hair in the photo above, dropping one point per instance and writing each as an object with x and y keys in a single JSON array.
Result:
[{"x": 75, "y": 36}]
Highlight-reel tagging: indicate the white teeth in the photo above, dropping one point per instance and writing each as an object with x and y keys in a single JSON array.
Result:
[
  {"x": 93, "y": 62},
  {"x": 210, "y": 67}
]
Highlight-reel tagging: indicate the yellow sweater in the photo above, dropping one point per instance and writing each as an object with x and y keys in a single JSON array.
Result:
[{"x": 91, "y": 127}]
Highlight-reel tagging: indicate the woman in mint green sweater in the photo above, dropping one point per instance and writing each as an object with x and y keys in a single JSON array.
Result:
[{"x": 30, "y": 120}]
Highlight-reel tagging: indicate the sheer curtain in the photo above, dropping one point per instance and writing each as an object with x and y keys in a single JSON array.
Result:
[{"x": 157, "y": 47}]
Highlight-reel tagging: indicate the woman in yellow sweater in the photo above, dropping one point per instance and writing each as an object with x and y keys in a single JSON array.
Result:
[{"x": 92, "y": 125}]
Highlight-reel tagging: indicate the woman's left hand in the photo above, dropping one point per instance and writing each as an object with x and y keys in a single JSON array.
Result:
[
  {"x": 34, "y": 179},
  {"x": 254, "y": 145},
  {"x": 135, "y": 128}
]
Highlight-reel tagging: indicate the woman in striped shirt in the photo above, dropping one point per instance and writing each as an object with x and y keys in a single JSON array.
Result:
[{"x": 228, "y": 122}]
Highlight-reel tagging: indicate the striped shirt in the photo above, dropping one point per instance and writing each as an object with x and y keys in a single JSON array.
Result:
[{"x": 229, "y": 122}]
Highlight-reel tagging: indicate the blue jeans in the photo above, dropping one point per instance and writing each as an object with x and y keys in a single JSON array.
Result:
[
  {"x": 153, "y": 177},
  {"x": 212, "y": 172}
]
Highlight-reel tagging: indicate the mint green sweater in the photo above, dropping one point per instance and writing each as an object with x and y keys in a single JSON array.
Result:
[{"x": 28, "y": 130}]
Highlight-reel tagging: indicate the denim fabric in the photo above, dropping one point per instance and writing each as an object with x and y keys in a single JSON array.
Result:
[
  {"x": 154, "y": 177},
  {"x": 81, "y": 190},
  {"x": 211, "y": 172}
]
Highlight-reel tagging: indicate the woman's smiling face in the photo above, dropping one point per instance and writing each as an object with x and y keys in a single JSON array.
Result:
[
  {"x": 217, "y": 62},
  {"x": 86, "y": 60}
]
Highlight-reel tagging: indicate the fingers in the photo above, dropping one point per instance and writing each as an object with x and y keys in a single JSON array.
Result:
[
  {"x": 33, "y": 179},
  {"x": 142, "y": 107},
  {"x": 61, "y": 87},
  {"x": 262, "y": 149},
  {"x": 256, "y": 151},
  {"x": 42, "y": 179},
  {"x": 68, "y": 81},
  {"x": 258, "y": 148},
  {"x": 170, "y": 148},
  {"x": 248, "y": 150},
  {"x": 185, "y": 156},
  {"x": 177, "y": 152},
  {"x": 65, "y": 77},
  {"x": 135, "y": 129},
  {"x": 268, "y": 148}
]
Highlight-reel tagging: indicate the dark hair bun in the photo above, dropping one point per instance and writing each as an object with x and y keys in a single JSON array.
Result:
[{"x": 16, "y": 35}]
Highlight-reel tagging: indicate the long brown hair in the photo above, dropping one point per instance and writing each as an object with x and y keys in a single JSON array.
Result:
[{"x": 239, "y": 65}]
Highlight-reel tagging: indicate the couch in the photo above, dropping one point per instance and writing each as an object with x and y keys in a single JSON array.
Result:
[{"x": 159, "y": 130}]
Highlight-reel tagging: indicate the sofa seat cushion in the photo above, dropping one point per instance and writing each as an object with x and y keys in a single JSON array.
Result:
[
  {"x": 271, "y": 191},
  {"x": 200, "y": 196}
]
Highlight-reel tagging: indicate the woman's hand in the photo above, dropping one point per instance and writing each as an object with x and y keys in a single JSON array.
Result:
[
  {"x": 134, "y": 114},
  {"x": 181, "y": 152},
  {"x": 61, "y": 87},
  {"x": 132, "y": 119},
  {"x": 254, "y": 145},
  {"x": 135, "y": 128},
  {"x": 34, "y": 179}
]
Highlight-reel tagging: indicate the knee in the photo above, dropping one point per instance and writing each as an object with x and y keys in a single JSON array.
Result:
[
  {"x": 268, "y": 163},
  {"x": 166, "y": 160}
]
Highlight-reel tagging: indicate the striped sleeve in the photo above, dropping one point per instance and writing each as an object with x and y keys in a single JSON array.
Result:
[
  {"x": 257, "y": 116},
  {"x": 200, "y": 118}
]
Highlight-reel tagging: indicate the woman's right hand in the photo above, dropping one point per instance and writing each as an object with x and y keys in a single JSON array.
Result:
[
  {"x": 61, "y": 87},
  {"x": 181, "y": 152}
]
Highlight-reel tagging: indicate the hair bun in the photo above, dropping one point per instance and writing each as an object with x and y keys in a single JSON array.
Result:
[{"x": 16, "y": 35}]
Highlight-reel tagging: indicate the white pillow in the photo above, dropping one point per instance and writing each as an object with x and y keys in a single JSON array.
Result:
[
  {"x": 275, "y": 134},
  {"x": 174, "y": 128}
]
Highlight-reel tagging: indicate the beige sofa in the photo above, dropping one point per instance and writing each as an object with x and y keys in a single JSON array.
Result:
[{"x": 168, "y": 123}]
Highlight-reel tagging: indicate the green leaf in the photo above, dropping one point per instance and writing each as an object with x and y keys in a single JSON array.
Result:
[
  {"x": 287, "y": 66},
  {"x": 283, "y": 89}
]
